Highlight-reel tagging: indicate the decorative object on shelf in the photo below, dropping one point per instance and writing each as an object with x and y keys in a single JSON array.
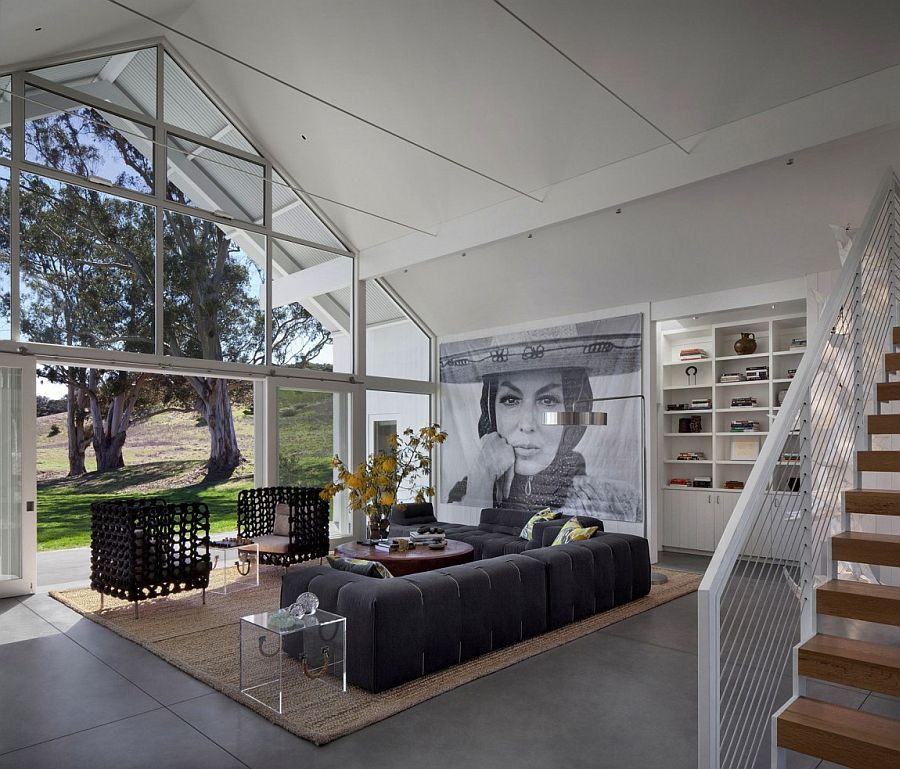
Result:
[
  {"x": 691, "y": 424},
  {"x": 702, "y": 482},
  {"x": 373, "y": 485},
  {"x": 782, "y": 394},
  {"x": 744, "y": 449},
  {"x": 691, "y": 373},
  {"x": 746, "y": 345},
  {"x": 791, "y": 373},
  {"x": 736, "y": 485}
]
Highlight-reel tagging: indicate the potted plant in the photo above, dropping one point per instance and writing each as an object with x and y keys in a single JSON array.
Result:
[{"x": 373, "y": 486}]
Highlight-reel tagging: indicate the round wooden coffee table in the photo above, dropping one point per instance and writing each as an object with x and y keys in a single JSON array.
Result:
[{"x": 401, "y": 563}]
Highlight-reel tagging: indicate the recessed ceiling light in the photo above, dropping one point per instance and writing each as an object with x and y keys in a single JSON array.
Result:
[
  {"x": 463, "y": 253},
  {"x": 530, "y": 236},
  {"x": 773, "y": 306},
  {"x": 38, "y": 29},
  {"x": 618, "y": 210},
  {"x": 694, "y": 317},
  {"x": 303, "y": 136},
  {"x": 789, "y": 162}
]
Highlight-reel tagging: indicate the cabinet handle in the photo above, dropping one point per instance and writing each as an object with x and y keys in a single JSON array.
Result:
[
  {"x": 709, "y": 498},
  {"x": 718, "y": 500}
]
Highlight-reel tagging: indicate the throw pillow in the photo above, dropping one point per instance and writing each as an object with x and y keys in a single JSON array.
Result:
[
  {"x": 282, "y": 527},
  {"x": 544, "y": 515},
  {"x": 360, "y": 566},
  {"x": 573, "y": 531}
]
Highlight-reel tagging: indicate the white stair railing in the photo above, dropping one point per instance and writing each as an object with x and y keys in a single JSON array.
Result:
[{"x": 757, "y": 598}]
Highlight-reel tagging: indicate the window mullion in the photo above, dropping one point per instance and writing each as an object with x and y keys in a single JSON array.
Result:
[
  {"x": 159, "y": 192},
  {"x": 17, "y": 116}
]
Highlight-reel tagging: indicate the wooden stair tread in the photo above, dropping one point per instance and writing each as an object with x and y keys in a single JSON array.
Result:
[
  {"x": 892, "y": 361},
  {"x": 842, "y": 735},
  {"x": 861, "y": 664},
  {"x": 878, "y": 461},
  {"x": 889, "y": 391},
  {"x": 872, "y": 501},
  {"x": 884, "y": 424},
  {"x": 864, "y": 547},
  {"x": 859, "y": 600},
  {"x": 896, "y": 335}
]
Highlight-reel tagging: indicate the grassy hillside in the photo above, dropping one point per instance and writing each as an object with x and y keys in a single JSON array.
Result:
[{"x": 163, "y": 456}]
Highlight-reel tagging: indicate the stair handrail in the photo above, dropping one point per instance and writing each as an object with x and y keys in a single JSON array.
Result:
[{"x": 746, "y": 516}]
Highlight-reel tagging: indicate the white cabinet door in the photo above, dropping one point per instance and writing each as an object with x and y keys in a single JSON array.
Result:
[
  {"x": 673, "y": 514},
  {"x": 706, "y": 521},
  {"x": 725, "y": 503}
]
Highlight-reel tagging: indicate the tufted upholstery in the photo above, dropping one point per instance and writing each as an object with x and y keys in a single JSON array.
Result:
[{"x": 406, "y": 627}]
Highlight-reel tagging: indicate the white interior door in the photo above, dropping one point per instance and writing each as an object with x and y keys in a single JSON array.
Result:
[{"x": 18, "y": 489}]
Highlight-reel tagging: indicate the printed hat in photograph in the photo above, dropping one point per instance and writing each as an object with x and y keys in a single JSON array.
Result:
[{"x": 572, "y": 346}]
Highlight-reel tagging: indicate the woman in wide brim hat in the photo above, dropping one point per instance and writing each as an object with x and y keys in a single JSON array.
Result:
[{"x": 521, "y": 462}]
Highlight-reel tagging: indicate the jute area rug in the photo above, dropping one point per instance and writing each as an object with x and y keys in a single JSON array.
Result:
[{"x": 204, "y": 642}]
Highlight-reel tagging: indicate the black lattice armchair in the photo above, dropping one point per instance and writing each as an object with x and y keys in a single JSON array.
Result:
[
  {"x": 289, "y": 523},
  {"x": 146, "y": 548}
]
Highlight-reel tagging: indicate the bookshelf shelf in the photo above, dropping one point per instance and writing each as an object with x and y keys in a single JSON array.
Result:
[
  {"x": 751, "y": 383},
  {"x": 687, "y": 435},
  {"x": 752, "y": 356}
]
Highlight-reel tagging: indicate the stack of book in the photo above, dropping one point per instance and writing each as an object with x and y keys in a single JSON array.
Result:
[
  {"x": 692, "y": 353},
  {"x": 736, "y": 377},
  {"x": 798, "y": 344},
  {"x": 744, "y": 426},
  {"x": 702, "y": 482},
  {"x": 757, "y": 373},
  {"x": 691, "y": 456},
  {"x": 737, "y": 403},
  {"x": 426, "y": 539},
  {"x": 701, "y": 403},
  {"x": 387, "y": 545},
  {"x": 680, "y": 482},
  {"x": 734, "y": 484}
]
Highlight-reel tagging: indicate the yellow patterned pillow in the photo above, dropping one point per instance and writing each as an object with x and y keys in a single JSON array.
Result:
[
  {"x": 572, "y": 531},
  {"x": 544, "y": 515}
]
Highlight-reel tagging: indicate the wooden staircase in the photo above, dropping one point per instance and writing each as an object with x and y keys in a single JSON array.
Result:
[{"x": 825, "y": 730}]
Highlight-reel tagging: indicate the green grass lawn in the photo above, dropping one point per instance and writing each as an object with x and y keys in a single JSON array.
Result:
[{"x": 164, "y": 457}]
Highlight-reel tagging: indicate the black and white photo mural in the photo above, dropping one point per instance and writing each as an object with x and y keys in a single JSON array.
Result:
[{"x": 500, "y": 454}]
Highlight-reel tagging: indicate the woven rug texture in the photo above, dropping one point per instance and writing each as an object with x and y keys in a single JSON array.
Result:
[{"x": 204, "y": 642}]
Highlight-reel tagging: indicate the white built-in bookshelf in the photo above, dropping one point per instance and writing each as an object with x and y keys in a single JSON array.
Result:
[{"x": 695, "y": 519}]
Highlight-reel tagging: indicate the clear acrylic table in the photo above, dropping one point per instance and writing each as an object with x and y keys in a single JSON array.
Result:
[
  {"x": 278, "y": 651},
  {"x": 227, "y": 554}
]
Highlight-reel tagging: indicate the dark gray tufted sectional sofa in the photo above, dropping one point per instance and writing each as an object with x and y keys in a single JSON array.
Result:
[{"x": 403, "y": 628}]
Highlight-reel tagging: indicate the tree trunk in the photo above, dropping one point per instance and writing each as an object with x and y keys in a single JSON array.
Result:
[
  {"x": 215, "y": 408},
  {"x": 76, "y": 434},
  {"x": 110, "y": 433}
]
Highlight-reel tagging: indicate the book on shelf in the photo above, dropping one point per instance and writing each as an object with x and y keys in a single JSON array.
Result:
[
  {"x": 701, "y": 403},
  {"x": 679, "y": 481},
  {"x": 727, "y": 378},
  {"x": 798, "y": 344},
  {"x": 691, "y": 456},
  {"x": 734, "y": 484},
  {"x": 702, "y": 482},
  {"x": 692, "y": 353},
  {"x": 744, "y": 426},
  {"x": 737, "y": 403}
]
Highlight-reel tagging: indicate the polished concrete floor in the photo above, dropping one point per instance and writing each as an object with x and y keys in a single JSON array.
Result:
[{"x": 76, "y": 695}]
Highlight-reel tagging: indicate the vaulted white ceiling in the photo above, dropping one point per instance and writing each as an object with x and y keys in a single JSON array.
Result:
[{"x": 500, "y": 106}]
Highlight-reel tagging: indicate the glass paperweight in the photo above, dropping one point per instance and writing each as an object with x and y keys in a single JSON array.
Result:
[{"x": 306, "y": 603}]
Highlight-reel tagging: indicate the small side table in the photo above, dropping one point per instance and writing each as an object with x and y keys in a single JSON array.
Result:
[
  {"x": 277, "y": 649},
  {"x": 227, "y": 553}
]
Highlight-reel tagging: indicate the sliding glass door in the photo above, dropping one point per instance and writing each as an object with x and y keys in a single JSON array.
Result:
[{"x": 18, "y": 515}]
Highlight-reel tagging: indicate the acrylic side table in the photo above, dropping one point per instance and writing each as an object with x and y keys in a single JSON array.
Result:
[
  {"x": 278, "y": 651},
  {"x": 225, "y": 552}
]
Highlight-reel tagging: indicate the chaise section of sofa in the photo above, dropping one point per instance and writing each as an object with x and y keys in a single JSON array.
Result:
[{"x": 402, "y": 628}]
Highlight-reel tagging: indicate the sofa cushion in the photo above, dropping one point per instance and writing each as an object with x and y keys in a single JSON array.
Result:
[
  {"x": 270, "y": 543},
  {"x": 500, "y": 521},
  {"x": 282, "y": 527},
  {"x": 413, "y": 514},
  {"x": 573, "y": 531},
  {"x": 360, "y": 566},
  {"x": 544, "y": 515}
]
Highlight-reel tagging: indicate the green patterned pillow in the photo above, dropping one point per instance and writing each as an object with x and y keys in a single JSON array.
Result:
[
  {"x": 360, "y": 566},
  {"x": 573, "y": 531},
  {"x": 544, "y": 515}
]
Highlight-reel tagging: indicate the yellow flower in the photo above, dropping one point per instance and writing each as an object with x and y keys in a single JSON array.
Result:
[
  {"x": 393, "y": 440},
  {"x": 389, "y": 465},
  {"x": 386, "y": 498}
]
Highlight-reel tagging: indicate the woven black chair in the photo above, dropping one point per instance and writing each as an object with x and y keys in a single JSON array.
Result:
[
  {"x": 303, "y": 539},
  {"x": 146, "y": 548}
]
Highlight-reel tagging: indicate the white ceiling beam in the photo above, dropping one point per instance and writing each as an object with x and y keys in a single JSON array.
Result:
[
  {"x": 319, "y": 279},
  {"x": 860, "y": 105},
  {"x": 115, "y": 66}
]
